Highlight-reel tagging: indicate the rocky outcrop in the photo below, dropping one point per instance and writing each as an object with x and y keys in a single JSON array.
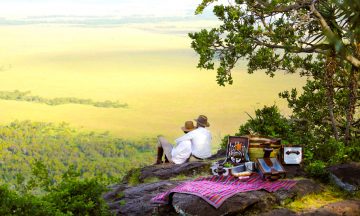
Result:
[
  {"x": 133, "y": 195},
  {"x": 126, "y": 200},
  {"x": 252, "y": 202},
  {"x": 167, "y": 170}
]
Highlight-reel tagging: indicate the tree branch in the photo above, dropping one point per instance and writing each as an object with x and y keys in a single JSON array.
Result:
[
  {"x": 330, "y": 34},
  {"x": 285, "y": 8},
  {"x": 295, "y": 49}
]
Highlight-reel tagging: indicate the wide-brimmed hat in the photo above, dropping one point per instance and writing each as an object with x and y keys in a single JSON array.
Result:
[
  {"x": 189, "y": 126},
  {"x": 202, "y": 121}
]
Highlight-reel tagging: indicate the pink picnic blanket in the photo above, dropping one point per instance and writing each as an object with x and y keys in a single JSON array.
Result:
[{"x": 216, "y": 189}]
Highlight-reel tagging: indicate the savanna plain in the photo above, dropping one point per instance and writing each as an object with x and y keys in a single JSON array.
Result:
[{"x": 153, "y": 72}]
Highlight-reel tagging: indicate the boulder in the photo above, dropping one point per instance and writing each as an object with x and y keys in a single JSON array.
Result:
[
  {"x": 346, "y": 176},
  {"x": 346, "y": 207},
  {"x": 293, "y": 171},
  {"x": 168, "y": 170},
  {"x": 136, "y": 200},
  {"x": 279, "y": 212}
]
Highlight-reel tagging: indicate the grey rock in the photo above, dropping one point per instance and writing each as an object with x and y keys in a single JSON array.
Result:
[
  {"x": 251, "y": 203},
  {"x": 279, "y": 212},
  {"x": 136, "y": 200},
  {"x": 347, "y": 207},
  {"x": 167, "y": 170},
  {"x": 346, "y": 176}
]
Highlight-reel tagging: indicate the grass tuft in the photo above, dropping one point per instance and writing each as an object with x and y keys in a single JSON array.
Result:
[{"x": 314, "y": 201}]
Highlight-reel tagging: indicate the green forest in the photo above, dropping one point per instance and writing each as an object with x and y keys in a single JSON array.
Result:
[
  {"x": 58, "y": 147},
  {"x": 54, "y": 169},
  {"x": 26, "y": 96}
]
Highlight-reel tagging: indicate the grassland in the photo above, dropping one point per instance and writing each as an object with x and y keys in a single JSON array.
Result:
[{"x": 155, "y": 74}]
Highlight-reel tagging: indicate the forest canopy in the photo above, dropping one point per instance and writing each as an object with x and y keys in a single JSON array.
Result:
[{"x": 59, "y": 146}]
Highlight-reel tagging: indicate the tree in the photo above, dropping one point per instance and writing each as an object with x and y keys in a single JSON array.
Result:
[{"x": 318, "y": 38}]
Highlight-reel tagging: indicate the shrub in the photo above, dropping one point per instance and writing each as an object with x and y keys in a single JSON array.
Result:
[
  {"x": 268, "y": 121},
  {"x": 70, "y": 196},
  {"x": 317, "y": 169},
  {"x": 224, "y": 142},
  {"x": 79, "y": 197},
  {"x": 352, "y": 152},
  {"x": 13, "y": 204},
  {"x": 331, "y": 151}
]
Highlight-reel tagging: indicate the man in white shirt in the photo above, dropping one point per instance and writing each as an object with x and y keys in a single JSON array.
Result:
[
  {"x": 196, "y": 143},
  {"x": 200, "y": 139},
  {"x": 178, "y": 154}
]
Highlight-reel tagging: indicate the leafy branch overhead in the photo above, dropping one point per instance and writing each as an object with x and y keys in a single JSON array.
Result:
[
  {"x": 319, "y": 39},
  {"x": 277, "y": 34}
]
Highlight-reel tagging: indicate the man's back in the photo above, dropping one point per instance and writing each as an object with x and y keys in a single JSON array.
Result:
[{"x": 201, "y": 142}]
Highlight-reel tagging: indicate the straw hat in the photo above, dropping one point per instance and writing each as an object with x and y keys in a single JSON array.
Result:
[
  {"x": 189, "y": 126},
  {"x": 202, "y": 121}
]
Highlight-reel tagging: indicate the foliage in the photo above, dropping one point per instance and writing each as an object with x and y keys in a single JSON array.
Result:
[
  {"x": 317, "y": 169},
  {"x": 317, "y": 39},
  {"x": 224, "y": 142},
  {"x": 228, "y": 165},
  {"x": 80, "y": 197},
  {"x": 13, "y": 204},
  {"x": 59, "y": 147},
  {"x": 134, "y": 176},
  {"x": 70, "y": 196},
  {"x": 352, "y": 152},
  {"x": 25, "y": 96},
  {"x": 267, "y": 121},
  {"x": 319, "y": 149},
  {"x": 272, "y": 34}
]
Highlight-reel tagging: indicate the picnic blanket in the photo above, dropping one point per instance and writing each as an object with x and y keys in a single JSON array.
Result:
[{"x": 216, "y": 189}]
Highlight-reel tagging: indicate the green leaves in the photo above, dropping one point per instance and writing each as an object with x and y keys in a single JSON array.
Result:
[
  {"x": 203, "y": 5},
  {"x": 267, "y": 122},
  {"x": 70, "y": 196},
  {"x": 202, "y": 44}
]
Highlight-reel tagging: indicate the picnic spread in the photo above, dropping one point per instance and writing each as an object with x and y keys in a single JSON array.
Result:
[{"x": 251, "y": 163}]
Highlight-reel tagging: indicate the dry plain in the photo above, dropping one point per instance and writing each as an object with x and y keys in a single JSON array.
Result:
[{"x": 154, "y": 73}]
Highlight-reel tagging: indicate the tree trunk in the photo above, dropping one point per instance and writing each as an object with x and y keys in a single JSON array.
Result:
[
  {"x": 353, "y": 90},
  {"x": 330, "y": 69}
]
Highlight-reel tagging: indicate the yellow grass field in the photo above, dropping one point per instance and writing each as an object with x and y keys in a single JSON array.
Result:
[{"x": 154, "y": 73}]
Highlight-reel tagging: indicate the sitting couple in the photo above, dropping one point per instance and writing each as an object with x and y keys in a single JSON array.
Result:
[{"x": 194, "y": 145}]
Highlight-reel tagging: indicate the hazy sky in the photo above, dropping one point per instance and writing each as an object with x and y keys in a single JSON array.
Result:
[
  {"x": 30, "y": 9},
  {"x": 96, "y": 13}
]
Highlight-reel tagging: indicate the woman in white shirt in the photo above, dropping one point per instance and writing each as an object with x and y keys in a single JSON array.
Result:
[{"x": 178, "y": 154}]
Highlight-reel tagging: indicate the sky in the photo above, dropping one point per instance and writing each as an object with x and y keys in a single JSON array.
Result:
[{"x": 97, "y": 12}]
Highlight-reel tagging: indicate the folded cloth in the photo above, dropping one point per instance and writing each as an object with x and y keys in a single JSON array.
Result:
[{"x": 216, "y": 189}]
